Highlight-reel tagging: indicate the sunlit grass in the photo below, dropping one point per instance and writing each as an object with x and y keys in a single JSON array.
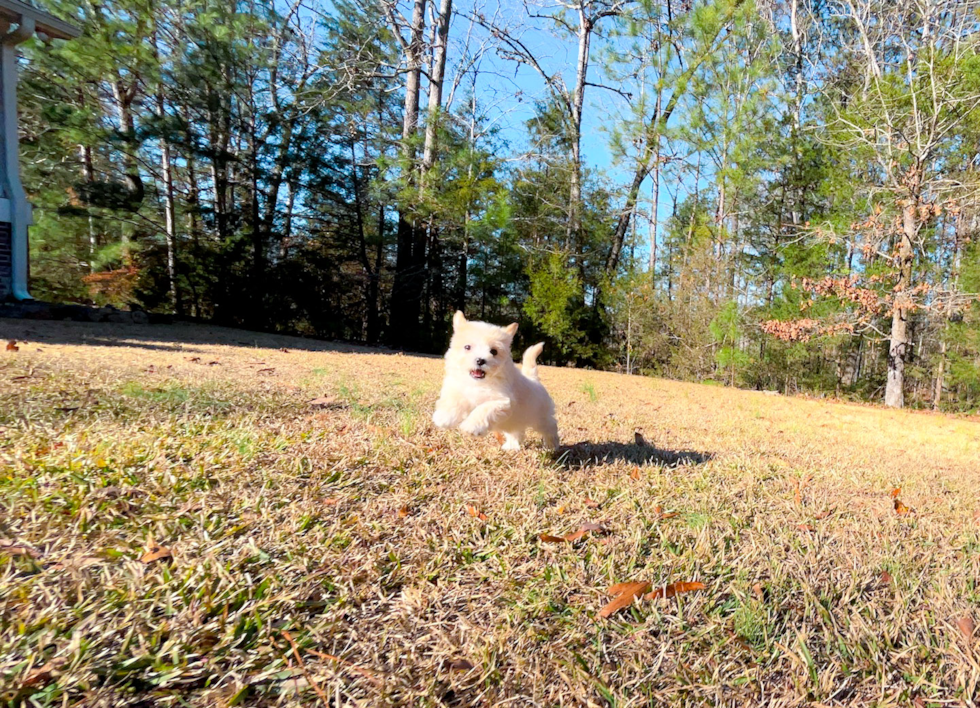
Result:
[{"x": 343, "y": 528}]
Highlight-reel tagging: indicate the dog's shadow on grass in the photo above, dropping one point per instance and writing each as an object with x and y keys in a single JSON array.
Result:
[{"x": 590, "y": 454}]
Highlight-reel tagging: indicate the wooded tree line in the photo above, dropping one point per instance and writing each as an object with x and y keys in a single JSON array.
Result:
[{"x": 791, "y": 204}]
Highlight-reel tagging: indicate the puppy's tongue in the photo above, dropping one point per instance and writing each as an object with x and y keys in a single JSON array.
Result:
[{"x": 478, "y": 373}]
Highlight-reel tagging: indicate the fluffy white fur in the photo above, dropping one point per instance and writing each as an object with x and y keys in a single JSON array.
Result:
[{"x": 484, "y": 391}]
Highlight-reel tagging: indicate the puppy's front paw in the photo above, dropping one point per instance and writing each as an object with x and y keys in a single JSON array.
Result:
[
  {"x": 443, "y": 419},
  {"x": 474, "y": 427}
]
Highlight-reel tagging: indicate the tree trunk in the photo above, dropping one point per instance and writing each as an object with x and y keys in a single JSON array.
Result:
[
  {"x": 360, "y": 223},
  {"x": 944, "y": 335},
  {"x": 169, "y": 207},
  {"x": 898, "y": 341},
  {"x": 373, "y": 304},
  {"x": 435, "y": 303},
  {"x": 127, "y": 126},
  {"x": 406, "y": 292},
  {"x": 937, "y": 393},
  {"x": 134, "y": 184},
  {"x": 426, "y": 249},
  {"x": 436, "y": 77},
  {"x": 170, "y": 213},
  {"x": 654, "y": 216},
  {"x": 257, "y": 285},
  {"x": 193, "y": 209},
  {"x": 578, "y": 99},
  {"x": 88, "y": 177},
  {"x": 287, "y": 227},
  {"x": 219, "y": 177}
]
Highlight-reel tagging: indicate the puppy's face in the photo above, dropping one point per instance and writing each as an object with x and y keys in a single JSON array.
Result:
[{"x": 479, "y": 349}]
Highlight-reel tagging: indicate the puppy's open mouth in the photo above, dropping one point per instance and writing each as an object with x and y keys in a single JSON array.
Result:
[{"x": 478, "y": 374}]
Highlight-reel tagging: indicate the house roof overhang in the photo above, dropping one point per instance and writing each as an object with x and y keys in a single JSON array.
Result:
[{"x": 14, "y": 11}]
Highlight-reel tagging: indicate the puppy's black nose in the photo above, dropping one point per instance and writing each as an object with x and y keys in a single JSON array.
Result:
[{"x": 481, "y": 362}]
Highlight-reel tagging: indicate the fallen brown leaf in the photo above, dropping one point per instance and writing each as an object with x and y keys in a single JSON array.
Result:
[
  {"x": 592, "y": 504},
  {"x": 638, "y": 438},
  {"x": 617, "y": 588},
  {"x": 193, "y": 359},
  {"x": 759, "y": 593},
  {"x": 624, "y": 594},
  {"x": 269, "y": 370},
  {"x": 573, "y": 536},
  {"x": 403, "y": 512},
  {"x": 576, "y": 536},
  {"x": 461, "y": 665},
  {"x": 156, "y": 553},
  {"x": 635, "y": 473},
  {"x": 658, "y": 512},
  {"x": 895, "y": 492},
  {"x": 12, "y": 548},
  {"x": 322, "y": 401},
  {"x": 820, "y": 516},
  {"x": 665, "y": 591},
  {"x": 476, "y": 513},
  {"x": 12, "y": 346},
  {"x": 583, "y": 531},
  {"x": 284, "y": 350},
  {"x": 214, "y": 363},
  {"x": 42, "y": 675},
  {"x": 499, "y": 437},
  {"x": 805, "y": 527},
  {"x": 801, "y": 484},
  {"x": 900, "y": 508},
  {"x": 967, "y": 626}
]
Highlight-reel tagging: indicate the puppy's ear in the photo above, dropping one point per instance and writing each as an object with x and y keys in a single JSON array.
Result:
[
  {"x": 459, "y": 319},
  {"x": 511, "y": 330}
]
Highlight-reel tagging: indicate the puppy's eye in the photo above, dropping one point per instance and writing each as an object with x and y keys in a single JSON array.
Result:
[
  {"x": 467, "y": 347},
  {"x": 493, "y": 352}
]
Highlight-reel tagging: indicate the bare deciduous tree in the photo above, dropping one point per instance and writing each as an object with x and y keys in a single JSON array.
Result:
[{"x": 898, "y": 98}]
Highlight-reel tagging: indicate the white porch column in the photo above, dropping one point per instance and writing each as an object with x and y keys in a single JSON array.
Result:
[{"x": 13, "y": 200}]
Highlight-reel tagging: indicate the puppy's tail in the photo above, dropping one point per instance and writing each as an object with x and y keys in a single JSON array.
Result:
[{"x": 529, "y": 363}]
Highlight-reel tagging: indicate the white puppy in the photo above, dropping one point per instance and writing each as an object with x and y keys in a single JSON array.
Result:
[{"x": 484, "y": 391}]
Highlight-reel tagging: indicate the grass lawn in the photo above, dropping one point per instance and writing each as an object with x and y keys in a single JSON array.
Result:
[{"x": 208, "y": 517}]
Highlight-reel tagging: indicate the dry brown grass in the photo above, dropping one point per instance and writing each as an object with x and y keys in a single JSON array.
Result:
[{"x": 325, "y": 555}]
